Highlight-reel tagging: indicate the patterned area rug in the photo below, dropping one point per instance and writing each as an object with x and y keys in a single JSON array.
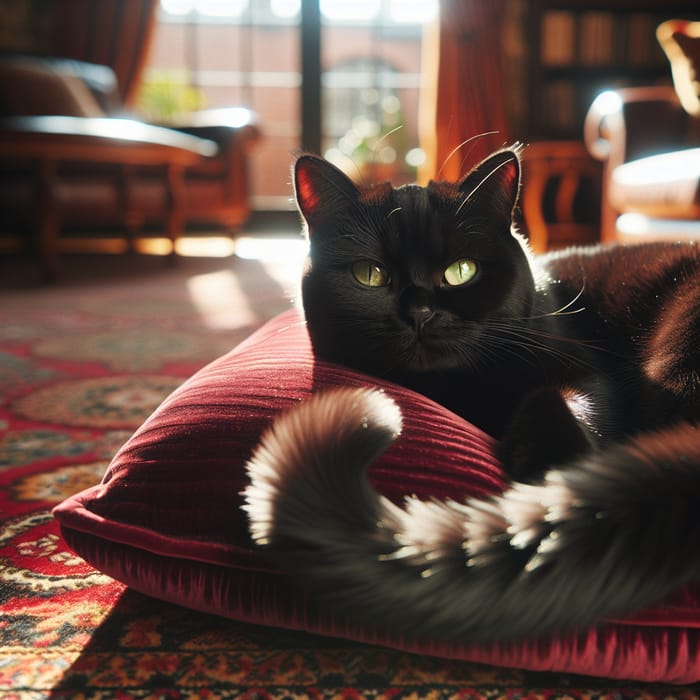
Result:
[{"x": 81, "y": 365}]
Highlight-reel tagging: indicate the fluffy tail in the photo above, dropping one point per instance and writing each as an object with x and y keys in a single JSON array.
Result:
[{"x": 604, "y": 537}]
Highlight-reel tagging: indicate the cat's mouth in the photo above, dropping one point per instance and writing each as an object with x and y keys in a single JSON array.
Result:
[{"x": 429, "y": 350}]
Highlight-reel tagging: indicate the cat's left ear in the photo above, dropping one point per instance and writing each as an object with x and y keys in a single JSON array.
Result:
[
  {"x": 496, "y": 181},
  {"x": 321, "y": 189}
]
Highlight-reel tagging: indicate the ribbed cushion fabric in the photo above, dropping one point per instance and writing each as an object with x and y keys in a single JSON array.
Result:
[{"x": 167, "y": 519}]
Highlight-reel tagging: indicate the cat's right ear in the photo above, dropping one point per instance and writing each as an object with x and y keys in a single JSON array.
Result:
[
  {"x": 321, "y": 189},
  {"x": 496, "y": 181}
]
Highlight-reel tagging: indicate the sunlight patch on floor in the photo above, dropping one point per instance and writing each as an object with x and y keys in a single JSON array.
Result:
[
  {"x": 189, "y": 246},
  {"x": 282, "y": 259},
  {"x": 206, "y": 247},
  {"x": 220, "y": 300},
  {"x": 260, "y": 247},
  {"x": 271, "y": 248},
  {"x": 249, "y": 247},
  {"x": 223, "y": 299}
]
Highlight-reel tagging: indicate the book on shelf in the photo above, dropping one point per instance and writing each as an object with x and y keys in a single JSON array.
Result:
[
  {"x": 641, "y": 38},
  {"x": 596, "y": 38},
  {"x": 558, "y": 38},
  {"x": 599, "y": 38}
]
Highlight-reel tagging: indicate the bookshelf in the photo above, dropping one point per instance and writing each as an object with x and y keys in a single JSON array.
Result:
[{"x": 578, "y": 48}]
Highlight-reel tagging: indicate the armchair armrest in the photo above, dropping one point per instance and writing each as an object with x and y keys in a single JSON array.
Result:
[
  {"x": 624, "y": 124},
  {"x": 222, "y": 125},
  {"x": 122, "y": 145},
  {"x": 218, "y": 188},
  {"x": 123, "y": 141}
]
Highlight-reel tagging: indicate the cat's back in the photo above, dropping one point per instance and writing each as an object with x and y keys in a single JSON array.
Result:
[
  {"x": 601, "y": 261},
  {"x": 624, "y": 283}
]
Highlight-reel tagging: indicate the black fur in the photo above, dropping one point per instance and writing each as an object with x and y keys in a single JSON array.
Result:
[{"x": 584, "y": 364}]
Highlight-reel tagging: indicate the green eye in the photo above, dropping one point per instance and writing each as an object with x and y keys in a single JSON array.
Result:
[
  {"x": 370, "y": 274},
  {"x": 460, "y": 272}
]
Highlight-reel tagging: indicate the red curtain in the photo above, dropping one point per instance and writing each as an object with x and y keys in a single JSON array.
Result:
[
  {"x": 116, "y": 33},
  {"x": 468, "y": 97}
]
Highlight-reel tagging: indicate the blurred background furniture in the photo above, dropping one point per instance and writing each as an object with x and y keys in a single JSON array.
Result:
[
  {"x": 103, "y": 153},
  {"x": 560, "y": 180},
  {"x": 649, "y": 141},
  {"x": 68, "y": 139}
]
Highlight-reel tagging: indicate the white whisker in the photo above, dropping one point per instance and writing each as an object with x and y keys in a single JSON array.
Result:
[
  {"x": 385, "y": 136},
  {"x": 464, "y": 143},
  {"x": 479, "y": 185},
  {"x": 563, "y": 310}
]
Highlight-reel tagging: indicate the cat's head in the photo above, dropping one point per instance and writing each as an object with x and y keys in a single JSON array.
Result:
[{"x": 411, "y": 279}]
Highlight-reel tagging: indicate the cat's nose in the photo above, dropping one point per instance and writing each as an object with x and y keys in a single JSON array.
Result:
[
  {"x": 419, "y": 315},
  {"x": 417, "y": 307}
]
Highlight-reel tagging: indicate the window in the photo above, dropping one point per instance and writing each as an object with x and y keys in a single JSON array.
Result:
[{"x": 218, "y": 53}]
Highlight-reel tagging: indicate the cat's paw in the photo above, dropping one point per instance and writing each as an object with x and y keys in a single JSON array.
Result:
[{"x": 544, "y": 432}]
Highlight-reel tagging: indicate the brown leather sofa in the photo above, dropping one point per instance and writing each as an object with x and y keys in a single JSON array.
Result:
[
  {"x": 649, "y": 141},
  {"x": 71, "y": 157}
]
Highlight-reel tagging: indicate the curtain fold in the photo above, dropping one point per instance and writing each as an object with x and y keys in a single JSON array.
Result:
[
  {"x": 116, "y": 33},
  {"x": 465, "y": 63}
]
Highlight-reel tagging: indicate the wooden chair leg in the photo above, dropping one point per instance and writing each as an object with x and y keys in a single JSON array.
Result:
[
  {"x": 133, "y": 219},
  {"x": 176, "y": 206},
  {"x": 48, "y": 222}
]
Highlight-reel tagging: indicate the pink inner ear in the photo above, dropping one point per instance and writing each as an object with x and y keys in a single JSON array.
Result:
[
  {"x": 509, "y": 174},
  {"x": 307, "y": 196}
]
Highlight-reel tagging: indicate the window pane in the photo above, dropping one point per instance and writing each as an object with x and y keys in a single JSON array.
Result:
[
  {"x": 228, "y": 53},
  {"x": 371, "y": 85},
  {"x": 238, "y": 54}
]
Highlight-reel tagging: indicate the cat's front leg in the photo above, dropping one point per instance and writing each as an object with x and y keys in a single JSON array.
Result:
[{"x": 549, "y": 427}]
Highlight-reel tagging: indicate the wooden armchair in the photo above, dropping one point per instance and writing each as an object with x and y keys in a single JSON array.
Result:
[
  {"x": 649, "y": 143},
  {"x": 71, "y": 156}
]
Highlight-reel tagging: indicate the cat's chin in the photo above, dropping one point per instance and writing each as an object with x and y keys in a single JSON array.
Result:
[
  {"x": 432, "y": 357},
  {"x": 425, "y": 364}
]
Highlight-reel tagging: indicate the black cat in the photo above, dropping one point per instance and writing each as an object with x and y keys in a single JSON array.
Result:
[{"x": 585, "y": 364}]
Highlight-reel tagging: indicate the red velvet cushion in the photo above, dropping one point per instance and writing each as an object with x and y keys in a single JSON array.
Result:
[{"x": 166, "y": 519}]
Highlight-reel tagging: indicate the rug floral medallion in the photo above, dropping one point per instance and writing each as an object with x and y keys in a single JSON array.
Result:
[{"x": 81, "y": 366}]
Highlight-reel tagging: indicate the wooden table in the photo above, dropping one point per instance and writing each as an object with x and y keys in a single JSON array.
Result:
[{"x": 48, "y": 141}]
